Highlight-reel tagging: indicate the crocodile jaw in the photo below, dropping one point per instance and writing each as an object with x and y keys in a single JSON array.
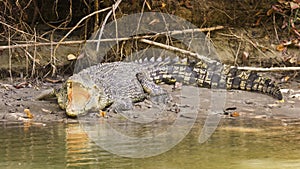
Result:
[
  {"x": 77, "y": 98},
  {"x": 79, "y": 95}
]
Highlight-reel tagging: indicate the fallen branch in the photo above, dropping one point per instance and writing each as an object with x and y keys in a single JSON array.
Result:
[
  {"x": 175, "y": 49},
  {"x": 175, "y": 32},
  {"x": 41, "y": 44},
  {"x": 172, "y": 48},
  {"x": 203, "y": 58},
  {"x": 271, "y": 69},
  {"x": 194, "y": 30}
]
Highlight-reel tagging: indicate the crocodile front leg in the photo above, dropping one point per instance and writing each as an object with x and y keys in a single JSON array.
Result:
[
  {"x": 121, "y": 105},
  {"x": 156, "y": 93}
]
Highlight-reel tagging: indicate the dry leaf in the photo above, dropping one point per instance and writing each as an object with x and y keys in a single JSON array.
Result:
[
  {"x": 280, "y": 47},
  {"x": 235, "y": 114},
  {"x": 102, "y": 113},
  {"x": 297, "y": 1},
  {"x": 285, "y": 79},
  {"x": 28, "y": 113},
  {"x": 294, "y": 5},
  {"x": 71, "y": 57}
]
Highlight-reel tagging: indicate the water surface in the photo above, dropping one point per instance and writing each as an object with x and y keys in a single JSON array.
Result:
[{"x": 236, "y": 145}]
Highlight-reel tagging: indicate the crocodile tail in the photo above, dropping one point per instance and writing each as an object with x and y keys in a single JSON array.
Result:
[
  {"x": 252, "y": 81},
  {"x": 227, "y": 77}
]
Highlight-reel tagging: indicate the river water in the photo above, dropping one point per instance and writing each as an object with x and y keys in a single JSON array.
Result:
[{"x": 236, "y": 144}]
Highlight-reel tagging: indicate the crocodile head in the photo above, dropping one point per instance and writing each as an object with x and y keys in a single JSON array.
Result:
[{"x": 79, "y": 95}]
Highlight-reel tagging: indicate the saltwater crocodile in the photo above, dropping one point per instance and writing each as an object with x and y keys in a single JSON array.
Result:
[{"x": 118, "y": 85}]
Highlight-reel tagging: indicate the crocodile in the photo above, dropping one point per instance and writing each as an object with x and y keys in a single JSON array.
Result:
[{"x": 117, "y": 85}]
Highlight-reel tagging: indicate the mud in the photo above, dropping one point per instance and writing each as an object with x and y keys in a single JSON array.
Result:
[{"x": 241, "y": 104}]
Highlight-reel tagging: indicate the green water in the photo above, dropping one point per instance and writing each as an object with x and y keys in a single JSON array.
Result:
[{"x": 235, "y": 145}]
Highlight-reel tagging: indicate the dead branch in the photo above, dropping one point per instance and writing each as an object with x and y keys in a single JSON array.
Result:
[
  {"x": 175, "y": 32},
  {"x": 114, "y": 7},
  {"x": 271, "y": 69},
  {"x": 256, "y": 45},
  {"x": 34, "y": 56},
  {"x": 96, "y": 7},
  {"x": 175, "y": 49},
  {"x": 81, "y": 20},
  {"x": 10, "y": 57},
  {"x": 203, "y": 58},
  {"x": 22, "y": 32}
]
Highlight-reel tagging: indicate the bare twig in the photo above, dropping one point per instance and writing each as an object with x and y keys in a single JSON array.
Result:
[
  {"x": 175, "y": 49},
  {"x": 96, "y": 23},
  {"x": 275, "y": 30},
  {"x": 114, "y": 7},
  {"x": 81, "y": 20},
  {"x": 116, "y": 23},
  {"x": 34, "y": 56},
  {"x": 78, "y": 23},
  {"x": 53, "y": 59},
  {"x": 272, "y": 69},
  {"x": 20, "y": 31},
  {"x": 10, "y": 57},
  {"x": 175, "y": 32},
  {"x": 32, "y": 44},
  {"x": 203, "y": 58},
  {"x": 257, "y": 46},
  {"x": 237, "y": 53}
]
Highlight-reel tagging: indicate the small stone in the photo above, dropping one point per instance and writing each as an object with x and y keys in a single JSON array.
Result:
[
  {"x": 286, "y": 90},
  {"x": 47, "y": 111},
  {"x": 260, "y": 116},
  {"x": 249, "y": 102},
  {"x": 273, "y": 105},
  {"x": 296, "y": 96}
]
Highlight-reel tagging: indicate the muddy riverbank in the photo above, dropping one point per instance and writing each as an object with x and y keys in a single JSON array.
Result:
[{"x": 13, "y": 102}]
